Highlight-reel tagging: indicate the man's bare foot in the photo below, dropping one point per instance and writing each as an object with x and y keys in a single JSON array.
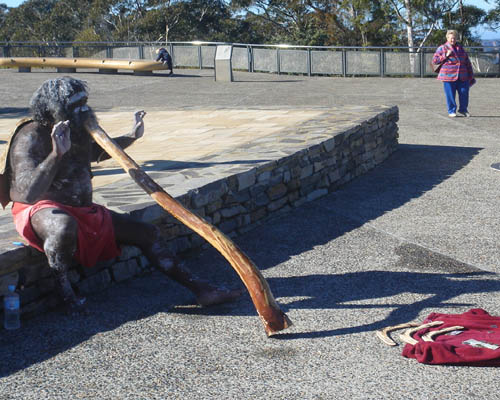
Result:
[
  {"x": 78, "y": 307},
  {"x": 212, "y": 296}
]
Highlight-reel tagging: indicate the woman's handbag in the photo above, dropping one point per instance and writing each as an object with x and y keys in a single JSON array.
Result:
[{"x": 437, "y": 67}]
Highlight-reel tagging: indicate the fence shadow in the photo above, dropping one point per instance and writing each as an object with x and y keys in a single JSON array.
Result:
[
  {"x": 156, "y": 166},
  {"x": 14, "y": 111}
]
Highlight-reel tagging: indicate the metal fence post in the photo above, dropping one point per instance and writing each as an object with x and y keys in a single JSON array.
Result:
[
  {"x": 278, "y": 61},
  {"x": 422, "y": 62},
  {"x": 109, "y": 52},
  {"x": 309, "y": 62},
  {"x": 249, "y": 58},
  {"x": 141, "y": 52},
  {"x": 171, "y": 48},
  {"x": 382, "y": 63},
  {"x": 200, "y": 61},
  {"x": 344, "y": 63}
]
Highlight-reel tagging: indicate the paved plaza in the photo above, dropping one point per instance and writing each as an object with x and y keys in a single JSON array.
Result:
[{"x": 418, "y": 234}]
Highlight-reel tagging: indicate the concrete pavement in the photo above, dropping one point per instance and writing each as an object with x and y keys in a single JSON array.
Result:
[{"x": 416, "y": 235}]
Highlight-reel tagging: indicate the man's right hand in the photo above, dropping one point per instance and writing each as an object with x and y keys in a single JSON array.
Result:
[{"x": 61, "y": 141}]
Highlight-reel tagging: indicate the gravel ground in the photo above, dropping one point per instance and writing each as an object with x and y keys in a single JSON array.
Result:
[{"x": 416, "y": 235}]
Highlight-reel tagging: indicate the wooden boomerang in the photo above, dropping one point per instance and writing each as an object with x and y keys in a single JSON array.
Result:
[
  {"x": 271, "y": 315},
  {"x": 383, "y": 334},
  {"x": 406, "y": 336},
  {"x": 429, "y": 336}
]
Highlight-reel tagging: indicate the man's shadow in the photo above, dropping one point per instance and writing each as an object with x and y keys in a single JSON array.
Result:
[{"x": 410, "y": 172}]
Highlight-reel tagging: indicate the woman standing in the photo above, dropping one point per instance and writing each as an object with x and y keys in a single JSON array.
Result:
[{"x": 456, "y": 74}]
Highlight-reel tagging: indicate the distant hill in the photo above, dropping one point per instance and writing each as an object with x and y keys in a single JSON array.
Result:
[{"x": 491, "y": 44}]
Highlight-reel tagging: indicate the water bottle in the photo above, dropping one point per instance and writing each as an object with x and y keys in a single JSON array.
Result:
[{"x": 11, "y": 309}]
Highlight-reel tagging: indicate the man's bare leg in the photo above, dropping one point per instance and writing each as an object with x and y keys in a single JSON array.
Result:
[
  {"x": 147, "y": 238},
  {"x": 59, "y": 234}
]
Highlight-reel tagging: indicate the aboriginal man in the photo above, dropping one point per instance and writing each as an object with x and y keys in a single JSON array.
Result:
[{"x": 50, "y": 176}]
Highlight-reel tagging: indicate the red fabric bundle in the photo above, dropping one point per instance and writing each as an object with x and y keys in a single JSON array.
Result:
[{"x": 478, "y": 344}]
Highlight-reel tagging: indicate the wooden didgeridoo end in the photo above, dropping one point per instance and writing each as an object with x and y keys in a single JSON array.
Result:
[{"x": 271, "y": 315}]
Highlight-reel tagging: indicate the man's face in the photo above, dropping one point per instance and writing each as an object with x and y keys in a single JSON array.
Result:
[
  {"x": 451, "y": 38},
  {"x": 77, "y": 107}
]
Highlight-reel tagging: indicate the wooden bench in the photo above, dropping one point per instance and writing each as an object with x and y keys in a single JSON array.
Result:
[{"x": 70, "y": 65}]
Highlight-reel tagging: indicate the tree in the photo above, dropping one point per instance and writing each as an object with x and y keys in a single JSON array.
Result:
[
  {"x": 3, "y": 12},
  {"x": 493, "y": 17},
  {"x": 283, "y": 21},
  {"x": 463, "y": 20}
]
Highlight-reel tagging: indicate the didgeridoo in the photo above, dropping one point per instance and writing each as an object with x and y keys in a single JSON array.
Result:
[{"x": 270, "y": 313}]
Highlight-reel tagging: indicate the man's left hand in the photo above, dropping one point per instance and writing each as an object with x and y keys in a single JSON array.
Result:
[{"x": 138, "y": 129}]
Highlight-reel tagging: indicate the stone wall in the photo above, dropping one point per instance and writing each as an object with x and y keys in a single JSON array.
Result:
[{"x": 235, "y": 204}]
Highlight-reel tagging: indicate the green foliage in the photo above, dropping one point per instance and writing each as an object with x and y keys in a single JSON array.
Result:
[
  {"x": 295, "y": 22},
  {"x": 493, "y": 17}
]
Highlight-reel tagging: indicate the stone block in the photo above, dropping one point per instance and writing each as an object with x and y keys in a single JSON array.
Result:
[
  {"x": 40, "y": 305},
  {"x": 216, "y": 218},
  {"x": 264, "y": 177},
  {"x": 301, "y": 201},
  {"x": 228, "y": 225},
  {"x": 129, "y": 252},
  {"x": 317, "y": 194},
  {"x": 237, "y": 197},
  {"x": 246, "y": 179},
  {"x": 170, "y": 232},
  {"x": 232, "y": 211},
  {"x": 243, "y": 220},
  {"x": 196, "y": 240},
  {"x": 14, "y": 259},
  {"x": 329, "y": 145},
  {"x": 275, "y": 179},
  {"x": 143, "y": 263},
  {"x": 182, "y": 244},
  {"x": 277, "y": 191},
  {"x": 96, "y": 269},
  {"x": 257, "y": 189},
  {"x": 46, "y": 285},
  {"x": 318, "y": 166},
  {"x": 293, "y": 184},
  {"x": 306, "y": 171},
  {"x": 277, "y": 204},
  {"x": 34, "y": 272},
  {"x": 30, "y": 294},
  {"x": 258, "y": 214},
  {"x": 296, "y": 170},
  {"x": 95, "y": 283},
  {"x": 294, "y": 196},
  {"x": 213, "y": 206},
  {"x": 124, "y": 270}
]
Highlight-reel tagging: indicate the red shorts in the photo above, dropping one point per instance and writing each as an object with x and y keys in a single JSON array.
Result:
[{"x": 96, "y": 236}]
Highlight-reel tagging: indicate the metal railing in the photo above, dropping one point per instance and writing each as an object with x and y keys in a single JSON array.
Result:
[{"x": 307, "y": 60}]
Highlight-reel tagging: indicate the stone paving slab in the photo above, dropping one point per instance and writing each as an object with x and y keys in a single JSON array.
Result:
[{"x": 184, "y": 150}]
